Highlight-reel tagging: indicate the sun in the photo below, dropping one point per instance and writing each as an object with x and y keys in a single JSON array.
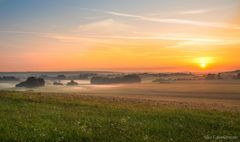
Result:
[
  {"x": 203, "y": 65},
  {"x": 204, "y": 62}
]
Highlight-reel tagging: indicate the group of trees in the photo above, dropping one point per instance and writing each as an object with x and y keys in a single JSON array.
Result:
[
  {"x": 32, "y": 82},
  {"x": 81, "y": 76},
  {"x": 237, "y": 76},
  {"x": 8, "y": 78},
  {"x": 85, "y": 76},
  {"x": 61, "y": 76},
  {"x": 131, "y": 78},
  {"x": 212, "y": 76}
]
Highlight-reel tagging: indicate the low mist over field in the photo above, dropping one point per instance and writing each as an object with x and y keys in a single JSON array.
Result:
[{"x": 212, "y": 88}]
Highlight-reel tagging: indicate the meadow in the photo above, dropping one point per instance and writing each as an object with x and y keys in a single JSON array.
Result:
[{"x": 121, "y": 116}]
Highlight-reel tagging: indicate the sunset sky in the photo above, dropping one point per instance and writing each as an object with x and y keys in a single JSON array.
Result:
[{"x": 119, "y": 35}]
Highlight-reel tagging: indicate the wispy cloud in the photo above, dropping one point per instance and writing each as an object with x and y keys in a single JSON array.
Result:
[
  {"x": 170, "y": 20},
  {"x": 105, "y": 27},
  {"x": 204, "y": 11},
  {"x": 25, "y": 32},
  {"x": 199, "y": 11},
  {"x": 182, "y": 40}
]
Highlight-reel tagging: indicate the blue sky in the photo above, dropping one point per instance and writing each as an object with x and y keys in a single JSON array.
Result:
[{"x": 50, "y": 14}]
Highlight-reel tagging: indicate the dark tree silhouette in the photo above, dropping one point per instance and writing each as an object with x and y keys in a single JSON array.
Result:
[
  {"x": 61, "y": 76},
  {"x": 8, "y": 78},
  {"x": 85, "y": 76},
  {"x": 32, "y": 82},
  {"x": 238, "y": 76},
  {"x": 210, "y": 76},
  {"x": 72, "y": 83},
  {"x": 219, "y": 76},
  {"x": 57, "y": 83}
]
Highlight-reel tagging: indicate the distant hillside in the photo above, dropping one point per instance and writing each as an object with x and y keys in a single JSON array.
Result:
[{"x": 236, "y": 71}]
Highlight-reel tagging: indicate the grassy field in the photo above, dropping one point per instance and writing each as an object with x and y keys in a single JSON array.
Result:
[{"x": 29, "y": 116}]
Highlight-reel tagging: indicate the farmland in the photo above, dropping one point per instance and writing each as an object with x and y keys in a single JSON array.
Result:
[{"x": 182, "y": 111}]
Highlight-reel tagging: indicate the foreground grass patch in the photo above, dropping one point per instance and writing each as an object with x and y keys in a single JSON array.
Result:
[{"x": 26, "y": 116}]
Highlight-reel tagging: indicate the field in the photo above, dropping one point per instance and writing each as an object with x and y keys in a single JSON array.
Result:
[{"x": 200, "y": 111}]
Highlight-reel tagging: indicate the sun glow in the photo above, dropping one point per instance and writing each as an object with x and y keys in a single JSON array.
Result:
[
  {"x": 203, "y": 65},
  {"x": 203, "y": 62}
]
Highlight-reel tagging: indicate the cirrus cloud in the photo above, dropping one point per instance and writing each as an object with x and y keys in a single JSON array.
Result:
[{"x": 105, "y": 27}]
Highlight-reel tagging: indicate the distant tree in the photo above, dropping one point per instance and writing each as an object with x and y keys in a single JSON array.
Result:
[
  {"x": 61, "y": 76},
  {"x": 162, "y": 80},
  {"x": 85, "y": 76},
  {"x": 238, "y": 76},
  {"x": 57, "y": 83},
  {"x": 8, "y": 78},
  {"x": 219, "y": 76},
  {"x": 210, "y": 76},
  {"x": 32, "y": 82},
  {"x": 44, "y": 76},
  {"x": 72, "y": 83}
]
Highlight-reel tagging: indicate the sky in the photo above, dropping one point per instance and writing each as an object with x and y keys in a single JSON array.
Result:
[{"x": 126, "y": 35}]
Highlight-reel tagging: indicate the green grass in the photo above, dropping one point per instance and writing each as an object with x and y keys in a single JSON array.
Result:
[{"x": 28, "y": 116}]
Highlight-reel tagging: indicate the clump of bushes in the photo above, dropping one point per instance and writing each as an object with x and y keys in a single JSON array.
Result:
[
  {"x": 72, "y": 83},
  {"x": 57, "y": 83}
]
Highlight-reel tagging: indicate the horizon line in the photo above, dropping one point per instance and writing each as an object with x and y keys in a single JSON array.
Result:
[{"x": 115, "y": 71}]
